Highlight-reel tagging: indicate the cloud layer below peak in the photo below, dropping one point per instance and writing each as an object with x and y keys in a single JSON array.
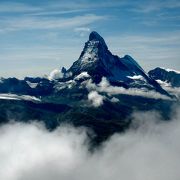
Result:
[{"x": 149, "y": 150}]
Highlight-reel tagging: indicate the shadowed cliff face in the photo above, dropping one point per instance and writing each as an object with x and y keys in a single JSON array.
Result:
[{"x": 168, "y": 76}]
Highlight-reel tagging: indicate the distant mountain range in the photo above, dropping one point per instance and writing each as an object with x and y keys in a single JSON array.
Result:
[
  {"x": 166, "y": 75},
  {"x": 99, "y": 91}
]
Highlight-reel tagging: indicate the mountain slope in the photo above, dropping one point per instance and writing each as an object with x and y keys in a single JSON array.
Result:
[
  {"x": 100, "y": 91},
  {"x": 166, "y": 75},
  {"x": 99, "y": 62}
]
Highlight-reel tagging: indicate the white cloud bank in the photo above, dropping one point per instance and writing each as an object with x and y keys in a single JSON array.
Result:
[
  {"x": 82, "y": 31},
  {"x": 55, "y": 74},
  {"x": 104, "y": 86},
  {"x": 34, "y": 23},
  {"x": 168, "y": 87},
  {"x": 95, "y": 98},
  {"x": 149, "y": 151}
]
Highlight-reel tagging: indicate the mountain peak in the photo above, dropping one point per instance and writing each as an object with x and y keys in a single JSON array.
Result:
[
  {"x": 98, "y": 62},
  {"x": 94, "y": 36}
]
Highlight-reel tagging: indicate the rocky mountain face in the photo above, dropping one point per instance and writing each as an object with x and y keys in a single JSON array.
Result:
[
  {"x": 28, "y": 86},
  {"x": 100, "y": 91},
  {"x": 99, "y": 62}
]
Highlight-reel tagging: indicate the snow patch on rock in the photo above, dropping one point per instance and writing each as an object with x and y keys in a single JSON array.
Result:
[
  {"x": 163, "y": 83},
  {"x": 137, "y": 77},
  {"x": 82, "y": 75},
  {"x": 32, "y": 85},
  {"x": 171, "y": 70},
  {"x": 19, "y": 97}
]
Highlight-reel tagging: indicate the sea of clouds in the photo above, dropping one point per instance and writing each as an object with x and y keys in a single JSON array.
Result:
[
  {"x": 96, "y": 98},
  {"x": 150, "y": 149}
]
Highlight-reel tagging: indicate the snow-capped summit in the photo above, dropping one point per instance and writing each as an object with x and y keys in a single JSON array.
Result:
[
  {"x": 98, "y": 62},
  {"x": 94, "y": 36},
  {"x": 91, "y": 57}
]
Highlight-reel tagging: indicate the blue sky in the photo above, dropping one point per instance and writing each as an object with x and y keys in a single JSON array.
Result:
[{"x": 39, "y": 36}]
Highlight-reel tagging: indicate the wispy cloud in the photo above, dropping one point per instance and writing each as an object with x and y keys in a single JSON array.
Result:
[
  {"x": 82, "y": 31},
  {"x": 149, "y": 50},
  {"x": 86, "y": 4},
  {"x": 55, "y": 12},
  {"x": 95, "y": 98},
  {"x": 64, "y": 7},
  {"x": 12, "y": 7},
  {"x": 105, "y": 87},
  {"x": 59, "y": 7},
  {"x": 29, "y": 23},
  {"x": 172, "y": 38},
  {"x": 152, "y": 6}
]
